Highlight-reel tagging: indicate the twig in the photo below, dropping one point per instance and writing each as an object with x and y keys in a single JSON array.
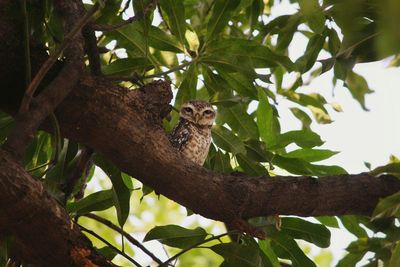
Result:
[
  {"x": 110, "y": 245},
  {"x": 51, "y": 60},
  {"x": 176, "y": 256},
  {"x": 127, "y": 236}
]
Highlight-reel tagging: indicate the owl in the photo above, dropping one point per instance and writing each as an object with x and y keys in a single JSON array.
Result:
[{"x": 192, "y": 134}]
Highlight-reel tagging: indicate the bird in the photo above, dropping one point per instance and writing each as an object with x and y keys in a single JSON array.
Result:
[{"x": 192, "y": 134}]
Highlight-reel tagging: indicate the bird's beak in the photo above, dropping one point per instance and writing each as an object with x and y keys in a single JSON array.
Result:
[{"x": 197, "y": 117}]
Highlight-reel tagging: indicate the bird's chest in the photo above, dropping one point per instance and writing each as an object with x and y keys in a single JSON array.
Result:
[{"x": 198, "y": 144}]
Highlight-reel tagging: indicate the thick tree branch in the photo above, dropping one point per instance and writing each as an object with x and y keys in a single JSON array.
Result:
[
  {"x": 43, "y": 232},
  {"x": 133, "y": 138}
]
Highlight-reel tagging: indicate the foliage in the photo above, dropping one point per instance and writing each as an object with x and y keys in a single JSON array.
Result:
[{"x": 235, "y": 54}]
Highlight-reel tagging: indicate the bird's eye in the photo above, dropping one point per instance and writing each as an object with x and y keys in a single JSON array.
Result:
[
  {"x": 208, "y": 112},
  {"x": 188, "y": 110}
]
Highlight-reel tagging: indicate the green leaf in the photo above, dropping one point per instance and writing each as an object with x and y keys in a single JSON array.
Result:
[
  {"x": 159, "y": 39},
  {"x": 334, "y": 42},
  {"x": 251, "y": 167},
  {"x": 216, "y": 86},
  {"x": 107, "y": 252},
  {"x": 121, "y": 193},
  {"x": 132, "y": 36},
  {"x": 314, "y": 233},
  {"x": 303, "y": 117},
  {"x": 241, "y": 54},
  {"x": 176, "y": 236},
  {"x": 38, "y": 153},
  {"x": 350, "y": 259},
  {"x": 221, "y": 13},
  {"x": 302, "y": 138},
  {"x": 314, "y": 46},
  {"x": 285, "y": 247},
  {"x": 187, "y": 89},
  {"x": 222, "y": 162},
  {"x": 391, "y": 168},
  {"x": 329, "y": 221},
  {"x": 358, "y": 87},
  {"x": 238, "y": 255},
  {"x": 395, "y": 259},
  {"x": 98, "y": 201},
  {"x": 126, "y": 66},
  {"x": 174, "y": 13},
  {"x": 314, "y": 15},
  {"x": 238, "y": 120},
  {"x": 388, "y": 207},
  {"x": 311, "y": 155},
  {"x": 242, "y": 84},
  {"x": 226, "y": 140},
  {"x": 302, "y": 167},
  {"x": 267, "y": 123},
  {"x": 265, "y": 246},
  {"x": 352, "y": 224}
]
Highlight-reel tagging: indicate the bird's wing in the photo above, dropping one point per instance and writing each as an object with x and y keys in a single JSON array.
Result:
[{"x": 179, "y": 136}]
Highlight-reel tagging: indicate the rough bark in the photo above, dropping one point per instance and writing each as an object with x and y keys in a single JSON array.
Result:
[{"x": 43, "y": 232}]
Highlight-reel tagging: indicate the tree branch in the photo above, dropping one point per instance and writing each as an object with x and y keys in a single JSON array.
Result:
[
  {"x": 42, "y": 231},
  {"x": 133, "y": 138},
  {"x": 125, "y": 234}
]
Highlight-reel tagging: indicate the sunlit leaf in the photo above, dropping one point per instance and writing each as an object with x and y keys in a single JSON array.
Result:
[
  {"x": 313, "y": 13},
  {"x": 391, "y": 168},
  {"x": 358, "y": 87},
  {"x": 351, "y": 223},
  {"x": 303, "y": 117},
  {"x": 267, "y": 123},
  {"x": 315, "y": 44},
  {"x": 329, "y": 221},
  {"x": 265, "y": 246},
  {"x": 176, "y": 236},
  {"x": 121, "y": 193},
  {"x": 221, "y": 13},
  {"x": 302, "y": 138},
  {"x": 387, "y": 207},
  {"x": 174, "y": 12},
  {"x": 98, "y": 201},
  {"x": 311, "y": 155}
]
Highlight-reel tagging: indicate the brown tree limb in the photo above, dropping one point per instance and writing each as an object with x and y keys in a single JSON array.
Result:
[
  {"x": 42, "y": 231},
  {"x": 133, "y": 138}
]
